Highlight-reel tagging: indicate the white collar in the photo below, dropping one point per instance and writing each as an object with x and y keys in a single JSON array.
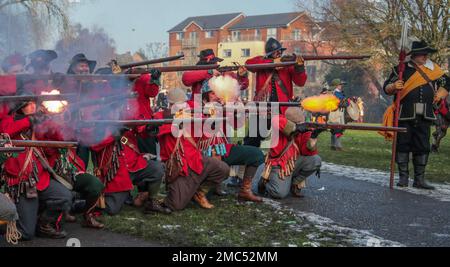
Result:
[{"x": 429, "y": 65}]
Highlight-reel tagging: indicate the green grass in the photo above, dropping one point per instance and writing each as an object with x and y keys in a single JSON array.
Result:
[
  {"x": 370, "y": 150},
  {"x": 230, "y": 224}
]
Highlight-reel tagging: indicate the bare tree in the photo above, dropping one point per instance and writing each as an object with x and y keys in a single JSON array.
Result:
[
  {"x": 375, "y": 26},
  {"x": 94, "y": 43},
  {"x": 40, "y": 16},
  {"x": 156, "y": 50}
]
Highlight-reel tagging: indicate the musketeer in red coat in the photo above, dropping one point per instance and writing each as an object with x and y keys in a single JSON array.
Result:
[
  {"x": 29, "y": 184},
  {"x": 292, "y": 159},
  {"x": 275, "y": 85},
  {"x": 196, "y": 78},
  {"x": 189, "y": 175}
]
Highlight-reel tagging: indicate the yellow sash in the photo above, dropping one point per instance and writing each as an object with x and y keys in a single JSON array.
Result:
[{"x": 412, "y": 83}]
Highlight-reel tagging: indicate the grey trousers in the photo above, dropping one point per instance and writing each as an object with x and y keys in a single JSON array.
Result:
[
  {"x": 304, "y": 167},
  {"x": 53, "y": 200},
  {"x": 115, "y": 201},
  {"x": 148, "y": 179},
  {"x": 8, "y": 210}
]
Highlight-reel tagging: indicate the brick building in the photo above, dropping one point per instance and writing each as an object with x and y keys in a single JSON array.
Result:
[{"x": 236, "y": 38}]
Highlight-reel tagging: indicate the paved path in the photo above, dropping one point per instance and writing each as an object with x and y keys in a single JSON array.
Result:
[{"x": 410, "y": 217}]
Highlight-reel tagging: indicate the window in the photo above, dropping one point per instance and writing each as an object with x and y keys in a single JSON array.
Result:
[
  {"x": 258, "y": 34},
  {"x": 245, "y": 52},
  {"x": 193, "y": 35},
  {"x": 209, "y": 34},
  {"x": 236, "y": 35},
  {"x": 180, "y": 35},
  {"x": 272, "y": 33},
  {"x": 296, "y": 35},
  {"x": 311, "y": 71},
  {"x": 227, "y": 53}
]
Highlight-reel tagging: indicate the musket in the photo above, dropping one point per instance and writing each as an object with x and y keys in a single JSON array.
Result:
[
  {"x": 39, "y": 144},
  {"x": 21, "y": 98},
  {"x": 135, "y": 123},
  {"x": 150, "y": 62},
  {"x": 11, "y": 149},
  {"x": 256, "y": 67},
  {"x": 324, "y": 57},
  {"x": 355, "y": 127},
  {"x": 401, "y": 70}
]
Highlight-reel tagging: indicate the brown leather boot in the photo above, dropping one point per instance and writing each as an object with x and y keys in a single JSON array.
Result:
[
  {"x": 201, "y": 199},
  {"x": 140, "y": 200},
  {"x": 48, "y": 229},
  {"x": 91, "y": 222},
  {"x": 246, "y": 191}
]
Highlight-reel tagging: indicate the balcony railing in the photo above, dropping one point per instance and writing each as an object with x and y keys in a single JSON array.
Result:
[
  {"x": 190, "y": 43},
  {"x": 241, "y": 38},
  {"x": 293, "y": 38}
]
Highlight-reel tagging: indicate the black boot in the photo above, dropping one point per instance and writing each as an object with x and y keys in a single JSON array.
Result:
[
  {"x": 420, "y": 163},
  {"x": 403, "y": 169}
]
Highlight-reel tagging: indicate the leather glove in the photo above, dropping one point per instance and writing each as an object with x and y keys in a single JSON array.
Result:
[
  {"x": 315, "y": 134},
  {"x": 38, "y": 118},
  {"x": 301, "y": 128}
]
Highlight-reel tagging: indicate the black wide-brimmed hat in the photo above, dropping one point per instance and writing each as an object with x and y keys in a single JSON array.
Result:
[
  {"x": 209, "y": 56},
  {"x": 78, "y": 58},
  {"x": 42, "y": 57},
  {"x": 421, "y": 48},
  {"x": 273, "y": 46}
]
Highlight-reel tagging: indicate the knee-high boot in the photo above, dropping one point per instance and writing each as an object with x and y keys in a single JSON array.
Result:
[
  {"x": 420, "y": 163},
  {"x": 403, "y": 169},
  {"x": 246, "y": 194}
]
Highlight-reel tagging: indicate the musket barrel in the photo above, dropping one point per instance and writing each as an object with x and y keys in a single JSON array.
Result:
[
  {"x": 134, "y": 123},
  {"x": 11, "y": 149},
  {"x": 41, "y": 144},
  {"x": 343, "y": 57},
  {"x": 355, "y": 127},
  {"x": 37, "y": 98},
  {"x": 150, "y": 62}
]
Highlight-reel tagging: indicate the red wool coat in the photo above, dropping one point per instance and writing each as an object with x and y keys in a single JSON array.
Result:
[
  {"x": 196, "y": 78},
  {"x": 13, "y": 166},
  {"x": 52, "y": 131},
  {"x": 288, "y": 76},
  {"x": 145, "y": 90},
  {"x": 192, "y": 157},
  {"x": 299, "y": 148}
]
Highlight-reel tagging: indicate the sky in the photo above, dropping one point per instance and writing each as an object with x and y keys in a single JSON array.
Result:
[{"x": 133, "y": 23}]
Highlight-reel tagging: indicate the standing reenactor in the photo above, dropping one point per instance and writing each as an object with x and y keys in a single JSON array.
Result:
[
  {"x": 195, "y": 79},
  {"x": 276, "y": 85},
  {"x": 81, "y": 65},
  {"x": 339, "y": 115},
  {"x": 424, "y": 83}
]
